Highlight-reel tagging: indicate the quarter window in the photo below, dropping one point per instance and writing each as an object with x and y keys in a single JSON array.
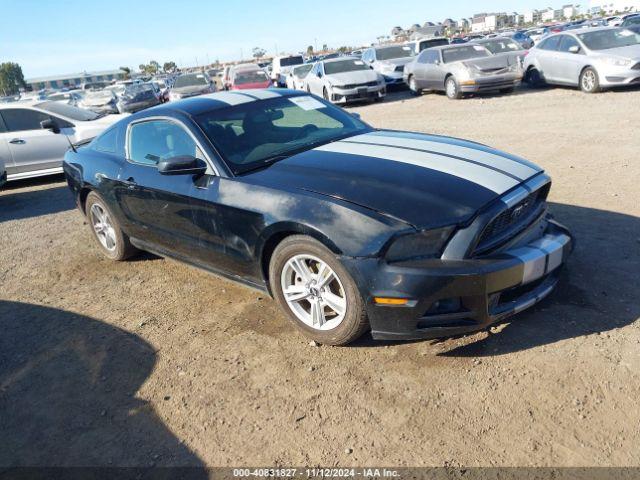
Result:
[
  {"x": 20, "y": 119},
  {"x": 107, "y": 141},
  {"x": 152, "y": 141}
]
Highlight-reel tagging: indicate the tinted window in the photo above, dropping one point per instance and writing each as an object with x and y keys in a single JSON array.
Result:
[
  {"x": 288, "y": 61},
  {"x": 19, "y": 119},
  {"x": 251, "y": 134},
  {"x": 192, "y": 79},
  {"x": 2, "y": 127},
  {"x": 437, "y": 42},
  {"x": 550, "y": 43},
  {"x": 107, "y": 141},
  {"x": 150, "y": 142},
  {"x": 567, "y": 42}
]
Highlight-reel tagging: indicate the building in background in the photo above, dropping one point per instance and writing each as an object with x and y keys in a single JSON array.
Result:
[
  {"x": 610, "y": 7},
  {"x": 72, "y": 80},
  {"x": 532, "y": 16}
]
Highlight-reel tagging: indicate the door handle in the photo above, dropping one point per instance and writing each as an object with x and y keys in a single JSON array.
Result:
[{"x": 17, "y": 141}]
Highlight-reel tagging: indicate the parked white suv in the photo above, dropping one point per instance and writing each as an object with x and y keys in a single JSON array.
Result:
[
  {"x": 27, "y": 150},
  {"x": 281, "y": 66}
]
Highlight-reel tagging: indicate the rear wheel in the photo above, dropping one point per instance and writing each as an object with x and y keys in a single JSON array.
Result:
[
  {"x": 451, "y": 88},
  {"x": 113, "y": 242},
  {"x": 316, "y": 291},
  {"x": 589, "y": 81},
  {"x": 533, "y": 78}
]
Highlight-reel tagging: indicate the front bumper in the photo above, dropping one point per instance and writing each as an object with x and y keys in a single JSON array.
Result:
[
  {"x": 454, "y": 297},
  {"x": 611, "y": 76},
  {"x": 492, "y": 83},
  {"x": 393, "y": 78},
  {"x": 343, "y": 96}
]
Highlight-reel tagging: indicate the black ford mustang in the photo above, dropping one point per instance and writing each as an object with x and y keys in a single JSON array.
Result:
[{"x": 350, "y": 228}]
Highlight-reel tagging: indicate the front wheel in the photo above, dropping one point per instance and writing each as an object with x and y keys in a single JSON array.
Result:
[
  {"x": 413, "y": 87},
  {"x": 451, "y": 88},
  {"x": 589, "y": 81},
  {"x": 113, "y": 242},
  {"x": 316, "y": 291}
]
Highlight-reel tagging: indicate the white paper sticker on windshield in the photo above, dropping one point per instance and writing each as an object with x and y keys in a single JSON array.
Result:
[
  {"x": 199, "y": 76},
  {"x": 626, "y": 33},
  {"x": 307, "y": 103},
  {"x": 478, "y": 48},
  {"x": 359, "y": 62},
  {"x": 406, "y": 48}
]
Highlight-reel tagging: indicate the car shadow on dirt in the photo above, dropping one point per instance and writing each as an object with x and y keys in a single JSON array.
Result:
[
  {"x": 597, "y": 291},
  {"x": 68, "y": 394},
  {"x": 19, "y": 204}
]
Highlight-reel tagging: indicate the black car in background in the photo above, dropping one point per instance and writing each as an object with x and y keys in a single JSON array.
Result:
[
  {"x": 136, "y": 97},
  {"x": 350, "y": 228}
]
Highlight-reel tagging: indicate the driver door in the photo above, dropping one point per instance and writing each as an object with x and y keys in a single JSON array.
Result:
[{"x": 157, "y": 207}]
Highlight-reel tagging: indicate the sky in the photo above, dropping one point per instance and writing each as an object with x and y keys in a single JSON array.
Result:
[{"x": 69, "y": 36}]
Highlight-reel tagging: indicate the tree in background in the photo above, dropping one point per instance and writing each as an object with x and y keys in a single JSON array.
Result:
[
  {"x": 151, "y": 68},
  {"x": 11, "y": 78},
  {"x": 169, "y": 67},
  {"x": 310, "y": 50},
  {"x": 258, "y": 52},
  {"x": 126, "y": 72},
  {"x": 325, "y": 47}
]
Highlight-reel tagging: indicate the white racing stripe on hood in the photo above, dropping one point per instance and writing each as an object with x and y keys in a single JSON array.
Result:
[
  {"x": 504, "y": 164},
  {"x": 491, "y": 179}
]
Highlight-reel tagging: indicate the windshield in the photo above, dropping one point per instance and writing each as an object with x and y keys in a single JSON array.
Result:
[
  {"x": 302, "y": 71},
  {"x": 387, "y": 53},
  {"x": 344, "y": 66},
  {"x": 459, "y": 54},
  {"x": 250, "y": 76},
  {"x": 137, "y": 88},
  {"x": 191, "y": 80},
  {"x": 631, "y": 21},
  {"x": 611, "y": 38},
  {"x": 99, "y": 95},
  {"x": 288, "y": 61},
  {"x": 437, "y": 42},
  {"x": 501, "y": 46},
  {"x": 253, "y": 134},
  {"x": 68, "y": 111}
]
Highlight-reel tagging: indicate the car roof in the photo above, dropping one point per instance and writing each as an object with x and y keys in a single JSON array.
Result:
[{"x": 216, "y": 101}]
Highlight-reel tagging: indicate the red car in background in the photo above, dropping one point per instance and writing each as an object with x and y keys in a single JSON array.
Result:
[{"x": 246, "y": 76}]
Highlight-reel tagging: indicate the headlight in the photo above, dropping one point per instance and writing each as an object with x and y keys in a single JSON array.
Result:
[
  {"x": 617, "y": 62},
  {"x": 426, "y": 244}
]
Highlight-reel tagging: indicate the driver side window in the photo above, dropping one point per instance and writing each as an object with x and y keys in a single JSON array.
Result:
[{"x": 152, "y": 141}]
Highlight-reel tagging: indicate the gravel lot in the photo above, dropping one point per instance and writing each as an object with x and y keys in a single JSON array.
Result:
[{"x": 151, "y": 362}]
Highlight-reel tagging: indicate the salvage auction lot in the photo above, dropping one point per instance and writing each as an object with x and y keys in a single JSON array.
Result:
[{"x": 150, "y": 362}]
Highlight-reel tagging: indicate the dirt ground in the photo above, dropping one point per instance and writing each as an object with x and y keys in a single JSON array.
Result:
[{"x": 150, "y": 362}]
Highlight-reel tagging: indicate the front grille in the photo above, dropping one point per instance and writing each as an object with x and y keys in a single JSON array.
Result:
[
  {"x": 512, "y": 221},
  {"x": 400, "y": 68},
  {"x": 359, "y": 85}
]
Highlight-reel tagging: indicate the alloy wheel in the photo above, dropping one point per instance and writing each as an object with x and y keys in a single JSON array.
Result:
[
  {"x": 589, "y": 80},
  {"x": 103, "y": 227},
  {"x": 313, "y": 292},
  {"x": 452, "y": 88}
]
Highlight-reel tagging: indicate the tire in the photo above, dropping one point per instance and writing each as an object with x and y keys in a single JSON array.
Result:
[
  {"x": 344, "y": 324},
  {"x": 109, "y": 234},
  {"x": 533, "y": 78},
  {"x": 413, "y": 87},
  {"x": 325, "y": 94},
  {"x": 507, "y": 91},
  {"x": 589, "y": 80},
  {"x": 451, "y": 88}
]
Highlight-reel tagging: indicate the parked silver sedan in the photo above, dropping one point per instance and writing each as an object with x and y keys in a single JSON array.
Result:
[
  {"x": 344, "y": 80},
  {"x": 591, "y": 58},
  {"x": 461, "y": 69}
]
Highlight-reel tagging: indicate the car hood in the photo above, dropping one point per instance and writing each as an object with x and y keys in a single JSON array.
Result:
[
  {"x": 85, "y": 130},
  {"x": 424, "y": 180},
  {"x": 346, "y": 78},
  {"x": 632, "y": 52}
]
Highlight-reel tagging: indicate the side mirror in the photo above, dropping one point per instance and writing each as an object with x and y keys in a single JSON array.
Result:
[
  {"x": 50, "y": 124},
  {"x": 574, "y": 49},
  {"x": 182, "y": 165},
  {"x": 356, "y": 115},
  {"x": 319, "y": 74}
]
